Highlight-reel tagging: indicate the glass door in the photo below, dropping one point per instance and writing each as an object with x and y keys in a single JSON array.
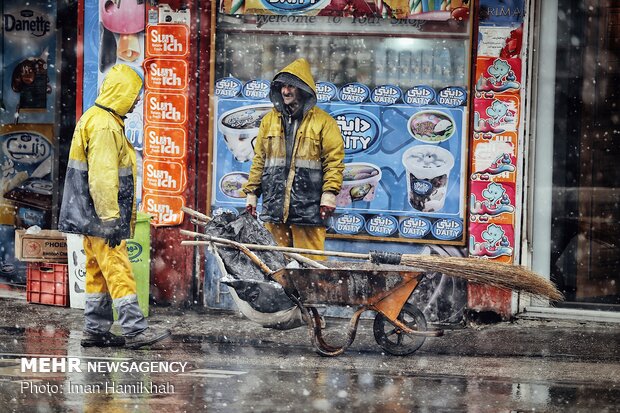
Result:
[{"x": 576, "y": 197}]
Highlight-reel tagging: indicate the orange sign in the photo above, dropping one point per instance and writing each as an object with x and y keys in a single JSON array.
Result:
[
  {"x": 162, "y": 73},
  {"x": 166, "y": 210},
  {"x": 169, "y": 177},
  {"x": 165, "y": 108},
  {"x": 170, "y": 40},
  {"x": 164, "y": 142}
]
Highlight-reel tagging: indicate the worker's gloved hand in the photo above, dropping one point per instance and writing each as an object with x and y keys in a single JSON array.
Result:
[
  {"x": 327, "y": 205},
  {"x": 326, "y": 212},
  {"x": 112, "y": 232},
  {"x": 250, "y": 204},
  {"x": 251, "y": 209}
]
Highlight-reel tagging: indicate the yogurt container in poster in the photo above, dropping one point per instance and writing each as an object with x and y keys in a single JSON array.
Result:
[
  {"x": 428, "y": 169},
  {"x": 240, "y": 129},
  {"x": 232, "y": 183},
  {"x": 359, "y": 183}
]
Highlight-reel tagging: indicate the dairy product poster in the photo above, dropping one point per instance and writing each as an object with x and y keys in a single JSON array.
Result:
[
  {"x": 404, "y": 165},
  {"x": 28, "y": 53},
  {"x": 26, "y": 154}
]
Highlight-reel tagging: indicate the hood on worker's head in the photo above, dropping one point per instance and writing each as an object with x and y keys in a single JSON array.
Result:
[
  {"x": 120, "y": 88},
  {"x": 296, "y": 74}
]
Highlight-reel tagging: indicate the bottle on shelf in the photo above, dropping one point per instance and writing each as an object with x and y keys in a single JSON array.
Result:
[
  {"x": 365, "y": 60},
  {"x": 404, "y": 68},
  {"x": 255, "y": 66},
  {"x": 380, "y": 65},
  {"x": 391, "y": 56},
  {"x": 415, "y": 71},
  {"x": 442, "y": 73},
  {"x": 459, "y": 65},
  {"x": 426, "y": 67},
  {"x": 324, "y": 66}
]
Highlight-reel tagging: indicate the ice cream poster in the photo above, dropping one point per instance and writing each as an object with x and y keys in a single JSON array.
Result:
[
  {"x": 492, "y": 202},
  {"x": 114, "y": 33},
  {"x": 491, "y": 241},
  {"x": 404, "y": 176},
  {"x": 26, "y": 186},
  {"x": 28, "y": 53},
  {"x": 495, "y": 116},
  {"x": 495, "y": 159},
  {"x": 495, "y": 76},
  {"x": 440, "y": 10}
]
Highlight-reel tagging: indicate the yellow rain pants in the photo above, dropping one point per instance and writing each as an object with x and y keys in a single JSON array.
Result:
[
  {"x": 108, "y": 270},
  {"x": 110, "y": 281},
  {"x": 299, "y": 236}
]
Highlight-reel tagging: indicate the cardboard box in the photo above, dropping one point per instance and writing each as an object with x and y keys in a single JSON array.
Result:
[{"x": 47, "y": 245}]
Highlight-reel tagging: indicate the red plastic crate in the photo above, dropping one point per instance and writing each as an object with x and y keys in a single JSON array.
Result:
[{"x": 47, "y": 283}]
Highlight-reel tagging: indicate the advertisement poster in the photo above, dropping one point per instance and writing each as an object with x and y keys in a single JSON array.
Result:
[
  {"x": 400, "y": 9},
  {"x": 165, "y": 116},
  {"x": 28, "y": 53},
  {"x": 27, "y": 97},
  {"x": 404, "y": 177},
  {"x": 495, "y": 137},
  {"x": 26, "y": 188}
]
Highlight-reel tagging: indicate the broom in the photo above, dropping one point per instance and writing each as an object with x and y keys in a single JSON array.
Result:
[{"x": 481, "y": 271}]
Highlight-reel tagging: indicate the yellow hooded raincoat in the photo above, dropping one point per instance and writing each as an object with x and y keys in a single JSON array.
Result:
[
  {"x": 292, "y": 193},
  {"x": 101, "y": 172}
]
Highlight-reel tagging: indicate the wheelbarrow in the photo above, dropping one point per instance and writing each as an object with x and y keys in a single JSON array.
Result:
[{"x": 399, "y": 327}]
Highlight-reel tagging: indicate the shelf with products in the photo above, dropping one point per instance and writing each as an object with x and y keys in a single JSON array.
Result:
[{"x": 373, "y": 61}]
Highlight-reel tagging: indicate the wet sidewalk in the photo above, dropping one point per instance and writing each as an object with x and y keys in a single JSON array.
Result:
[{"x": 559, "y": 340}]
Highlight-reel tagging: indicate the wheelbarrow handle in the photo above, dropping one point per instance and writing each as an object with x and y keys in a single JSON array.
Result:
[
  {"x": 241, "y": 247},
  {"x": 200, "y": 216},
  {"x": 259, "y": 247}
]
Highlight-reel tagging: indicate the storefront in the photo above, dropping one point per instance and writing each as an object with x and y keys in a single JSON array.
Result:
[{"x": 467, "y": 84}]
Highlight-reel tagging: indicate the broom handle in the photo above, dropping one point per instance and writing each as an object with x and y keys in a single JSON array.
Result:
[
  {"x": 271, "y": 247},
  {"x": 241, "y": 247},
  {"x": 196, "y": 214}
]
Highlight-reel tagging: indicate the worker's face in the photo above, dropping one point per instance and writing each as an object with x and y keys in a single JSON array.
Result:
[
  {"x": 135, "y": 103},
  {"x": 290, "y": 94}
]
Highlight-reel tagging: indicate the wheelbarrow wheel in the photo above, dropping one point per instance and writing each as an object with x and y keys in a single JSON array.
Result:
[{"x": 395, "y": 341}]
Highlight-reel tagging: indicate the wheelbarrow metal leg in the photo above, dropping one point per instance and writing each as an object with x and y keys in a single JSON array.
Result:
[
  {"x": 314, "y": 330},
  {"x": 319, "y": 343}
]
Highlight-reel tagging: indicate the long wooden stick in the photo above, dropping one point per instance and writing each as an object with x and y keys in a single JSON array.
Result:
[
  {"x": 258, "y": 247},
  {"x": 196, "y": 214},
  {"x": 242, "y": 247}
]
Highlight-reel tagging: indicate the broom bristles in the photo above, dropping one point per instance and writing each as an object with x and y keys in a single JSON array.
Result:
[{"x": 497, "y": 274}]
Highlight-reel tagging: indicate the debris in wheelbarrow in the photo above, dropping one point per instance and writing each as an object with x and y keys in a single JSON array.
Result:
[{"x": 260, "y": 299}]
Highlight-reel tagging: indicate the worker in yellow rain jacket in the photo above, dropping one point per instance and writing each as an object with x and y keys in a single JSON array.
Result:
[
  {"x": 298, "y": 162},
  {"x": 99, "y": 202}
]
